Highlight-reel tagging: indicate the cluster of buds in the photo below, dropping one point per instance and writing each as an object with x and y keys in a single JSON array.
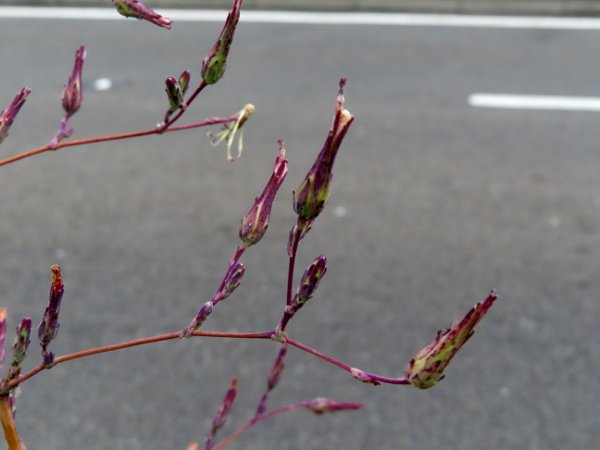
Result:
[
  {"x": 135, "y": 8},
  {"x": 176, "y": 90},
  {"x": 8, "y": 115},
  {"x": 48, "y": 327},
  {"x": 256, "y": 221},
  {"x": 427, "y": 368},
  {"x": 213, "y": 65}
]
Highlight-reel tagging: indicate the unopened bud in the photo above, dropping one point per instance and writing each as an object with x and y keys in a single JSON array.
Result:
[
  {"x": 255, "y": 223},
  {"x": 311, "y": 278},
  {"x": 222, "y": 413},
  {"x": 428, "y": 366},
  {"x": 213, "y": 66},
  {"x": 233, "y": 280},
  {"x": 20, "y": 347},
  {"x": 48, "y": 327},
  {"x": 8, "y": 115},
  {"x": 73, "y": 93},
  {"x": 135, "y": 8},
  {"x": 313, "y": 192},
  {"x": 174, "y": 93}
]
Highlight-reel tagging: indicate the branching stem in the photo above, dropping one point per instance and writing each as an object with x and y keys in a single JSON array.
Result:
[{"x": 95, "y": 140}]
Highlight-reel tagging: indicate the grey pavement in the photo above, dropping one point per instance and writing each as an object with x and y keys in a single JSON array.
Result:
[
  {"x": 543, "y": 7},
  {"x": 434, "y": 203}
]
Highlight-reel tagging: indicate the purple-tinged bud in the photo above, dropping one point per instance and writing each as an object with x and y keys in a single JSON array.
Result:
[
  {"x": 19, "y": 350},
  {"x": 73, "y": 93},
  {"x": 308, "y": 285},
  {"x": 197, "y": 322},
  {"x": 273, "y": 378},
  {"x": 313, "y": 192},
  {"x": 8, "y": 115},
  {"x": 49, "y": 325},
  {"x": 2, "y": 334},
  {"x": 255, "y": 223},
  {"x": 184, "y": 81},
  {"x": 135, "y": 8},
  {"x": 213, "y": 65},
  {"x": 234, "y": 278},
  {"x": 174, "y": 93},
  {"x": 428, "y": 366},
  {"x": 311, "y": 278},
  {"x": 278, "y": 366},
  {"x": 222, "y": 413},
  {"x": 322, "y": 405}
]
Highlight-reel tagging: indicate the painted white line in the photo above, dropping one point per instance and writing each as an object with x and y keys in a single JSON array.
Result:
[
  {"x": 324, "y": 18},
  {"x": 512, "y": 101}
]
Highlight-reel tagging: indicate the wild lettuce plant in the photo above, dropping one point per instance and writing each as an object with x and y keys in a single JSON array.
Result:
[{"x": 310, "y": 198}]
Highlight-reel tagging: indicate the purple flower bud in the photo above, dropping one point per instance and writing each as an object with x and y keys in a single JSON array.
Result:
[
  {"x": 174, "y": 93},
  {"x": 223, "y": 412},
  {"x": 135, "y": 8},
  {"x": 322, "y": 405},
  {"x": 311, "y": 196},
  {"x": 48, "y": 327},
  {"x": 310, "y": 279},
  {"x": 184, "y": 81},
  {"x": 278, "y": 366},
  {"x": 73, "y": 93},
  {"x": 428, "y": 366},
  {"x": 197, "y": 322},
  {"x": 8, "y": 115},
  {"x": 234, "y": 278},
  {"x": 255, "y": 223},
  {"x": 272, "y": 379},
  {"x": 213, "y": 66},
  {"x": 2, "y": 334},
  {"x": 20, "y": 347}
]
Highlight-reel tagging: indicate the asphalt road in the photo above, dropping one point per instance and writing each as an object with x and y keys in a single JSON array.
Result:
[{"x": 434, "y": 203}]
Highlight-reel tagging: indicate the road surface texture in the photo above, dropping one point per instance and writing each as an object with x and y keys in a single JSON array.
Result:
[{"x": 434, "y": 203}]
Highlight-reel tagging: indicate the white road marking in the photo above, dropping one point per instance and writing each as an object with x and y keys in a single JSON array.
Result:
[
  {"x": 511, "y": 101},
  {"x": 323, "y": 18}
]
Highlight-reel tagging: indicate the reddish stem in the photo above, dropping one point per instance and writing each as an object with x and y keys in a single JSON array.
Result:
[
  {"x": 46, "y": 148},
  {"x": 257, "y": 419}
]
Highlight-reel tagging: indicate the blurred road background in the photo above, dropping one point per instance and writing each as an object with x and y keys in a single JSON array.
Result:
[
  {"x": 546, "y": 7},
  {"x": 434, "y": 203}
]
